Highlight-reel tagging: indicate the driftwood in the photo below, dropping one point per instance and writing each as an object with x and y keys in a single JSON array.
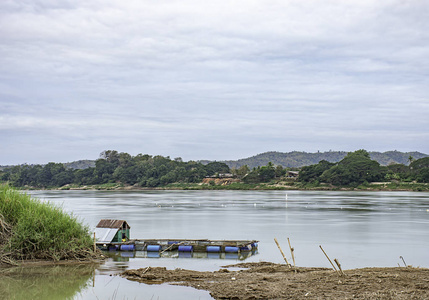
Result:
[
  {"x": 329, "y": 260},
  {"x": 281, "y": 251},
  {"x": 339, "y": 266},
  {"x": 291, "y": 251},
  {"x": 171, "y": 246}
]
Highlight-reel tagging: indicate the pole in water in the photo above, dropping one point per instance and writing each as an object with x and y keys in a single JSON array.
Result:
[
  {"x": 339, "y": 266},
  {"x": 329, "y": 259},
  {"x": 291, "y": 251},
  {"x": 403, "y": 260},
  {"x": 281, "y": 251},
  {"x": 286, "y": 200}
]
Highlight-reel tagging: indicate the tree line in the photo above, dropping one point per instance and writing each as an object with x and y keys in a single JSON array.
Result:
[
  {"x": 113, "y": 167},
  {"x": 152, "y": 171},
  {"x": 358, "y": 168}
]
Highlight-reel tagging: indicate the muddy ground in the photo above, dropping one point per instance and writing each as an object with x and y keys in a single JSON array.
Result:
[{"x": 265, "y": 280}]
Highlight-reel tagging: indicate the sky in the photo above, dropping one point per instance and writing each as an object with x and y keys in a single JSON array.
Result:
[{"x": 216, "y": 80}]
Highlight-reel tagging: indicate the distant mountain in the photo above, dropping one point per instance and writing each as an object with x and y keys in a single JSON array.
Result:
[
  {"x": 297, "y": 159},
  {"x": 293, "y": 159},
  {"x": 80, "y": 164}
]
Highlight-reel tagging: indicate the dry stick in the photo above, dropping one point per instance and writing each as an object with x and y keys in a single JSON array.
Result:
[
  {"x": 403, "y": 260},
  {"x": 171, "y": 246},
  {"x": 281, "y": 251},
  {"x": 291, "y": 251},
  {"x": 339, "y": 266},
  {"x": 329, "y": 259}
]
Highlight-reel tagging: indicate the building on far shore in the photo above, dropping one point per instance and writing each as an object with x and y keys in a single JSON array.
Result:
[{"x": 292, "y": 174}]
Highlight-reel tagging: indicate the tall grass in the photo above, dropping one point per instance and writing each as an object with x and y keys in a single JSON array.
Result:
[{"x": 31, "y": 229}]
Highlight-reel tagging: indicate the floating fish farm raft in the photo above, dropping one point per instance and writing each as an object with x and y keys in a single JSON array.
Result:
[
  {"x": 161, "y": 245},
  {"x": 113, "y": 235}
]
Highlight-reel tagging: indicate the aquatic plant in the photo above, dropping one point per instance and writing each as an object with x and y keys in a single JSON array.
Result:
[{"x": 31, "y": 229}]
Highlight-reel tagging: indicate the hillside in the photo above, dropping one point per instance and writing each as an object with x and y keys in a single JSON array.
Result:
[
  {"x": 80, "y": 164},
  {"x": 297, "y": 159},
  {"x": 293, "y": 159}
]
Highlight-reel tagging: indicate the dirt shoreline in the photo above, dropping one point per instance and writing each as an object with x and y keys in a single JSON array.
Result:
[
  {"x": 269, "y": 188},
  {"x": 265, "y": 280},
  {"x": 42, "y": 262}
]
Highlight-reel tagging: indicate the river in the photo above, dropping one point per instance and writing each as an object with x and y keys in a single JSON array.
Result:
[{"x": 360, "y": 229}]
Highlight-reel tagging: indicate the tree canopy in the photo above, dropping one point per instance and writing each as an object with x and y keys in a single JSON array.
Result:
[
  {"x": 112, "y": 166},
  {"x": 355, "y": 168}
]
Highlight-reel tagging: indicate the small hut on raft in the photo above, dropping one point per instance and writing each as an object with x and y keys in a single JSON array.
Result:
[{"x": 112, "y": 231}]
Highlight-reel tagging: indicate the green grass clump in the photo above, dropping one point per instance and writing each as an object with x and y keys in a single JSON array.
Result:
[{"x": 30, "y": 229}]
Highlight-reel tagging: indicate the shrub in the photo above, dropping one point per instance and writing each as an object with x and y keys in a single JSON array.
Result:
[{"x": 35, "y": 230}]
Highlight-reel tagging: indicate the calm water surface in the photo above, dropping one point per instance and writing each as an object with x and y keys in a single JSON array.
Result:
[{"x": 360, "y": 229}]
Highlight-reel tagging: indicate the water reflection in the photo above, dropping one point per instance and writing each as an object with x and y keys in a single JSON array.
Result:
[
  {"x": 361, "y": 229},
  {"x": 54, "y": 282},
  {"x": 124, "y": 256}
]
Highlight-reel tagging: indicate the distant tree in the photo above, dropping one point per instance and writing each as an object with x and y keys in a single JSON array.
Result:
[
  {"x": 63, "y": 178},
  {"x": 266, "y": 173},
  {"x": 397, "y": 171},
  {"x": 356, "y": 168},
  {"x": 103, "y": 172},
  {"x": 125, "y": 160},
  {"x": 216, "y": 168},
  {"x": 313, "y": 172},
  {"x": 261, "y": 174},
  {"x": 84, "y": 176},
  {"x": 279, "y": 171},
  {"x": 423, "y": 175},
  {"x": 421, "y": 163},
  {"x": 243, "y": 171},
  {"x": 252, "y": 177},
  {"x": 48, "y": 173},
  {"x": 112, "y": 156},
  {"x": 420, "y": 169}
]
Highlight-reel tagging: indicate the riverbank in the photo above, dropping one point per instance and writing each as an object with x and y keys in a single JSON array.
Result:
[
  {"x": 265, "y": 280},
  {"x": 32, "y": 230},
  {"x": 48, "y": 263},
  {"x": 278, "y": 185}
]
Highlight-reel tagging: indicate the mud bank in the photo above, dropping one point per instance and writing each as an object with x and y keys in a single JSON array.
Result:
[{"x": 265, "y": 280}]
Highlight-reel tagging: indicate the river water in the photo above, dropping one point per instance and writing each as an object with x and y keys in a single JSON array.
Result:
[{"x": 360, "y": 229}]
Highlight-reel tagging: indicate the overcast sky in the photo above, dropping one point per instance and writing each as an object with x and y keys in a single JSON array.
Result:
[{"x": 211, "y": 79}]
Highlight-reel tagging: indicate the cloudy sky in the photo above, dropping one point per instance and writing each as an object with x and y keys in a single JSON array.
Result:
[{"x": 211, "y": 79}]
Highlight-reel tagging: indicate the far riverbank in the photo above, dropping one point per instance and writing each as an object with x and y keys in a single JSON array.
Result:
[{"x": 281, "y": 185}]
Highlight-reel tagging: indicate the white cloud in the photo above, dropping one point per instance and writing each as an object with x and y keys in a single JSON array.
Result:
[{"x": 186, "y": 76}]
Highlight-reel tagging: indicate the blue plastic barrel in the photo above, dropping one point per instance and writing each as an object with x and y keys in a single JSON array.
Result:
[
  {"x": 127, "y": 254},
  {"x": 185, "y": 248},
  {"x": 153, "y": 254},
  {"x": 246, "y": 248},
  {"x": 172, "y": 242},
  {"x": 213, "y": 248},
  {"x": 213, "y": 255},
  {"x": 232, "y": 255},
  {"x": 127, "y": 247},
  {"x": 113, "y": 247},
  {"x": 231, "y": 249},
  {"x": 185, "y": 254},
  {"x": 254, "y": 245},
  {"x": 153, "y": 248}
]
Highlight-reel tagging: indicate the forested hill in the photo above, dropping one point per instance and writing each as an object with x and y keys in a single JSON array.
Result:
[
  {"x": 80, "y": 164},
  {"x": 299, "y": 159}
]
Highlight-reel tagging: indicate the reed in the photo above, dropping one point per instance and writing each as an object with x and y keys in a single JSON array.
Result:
[{"x": 31, "y": 229}]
